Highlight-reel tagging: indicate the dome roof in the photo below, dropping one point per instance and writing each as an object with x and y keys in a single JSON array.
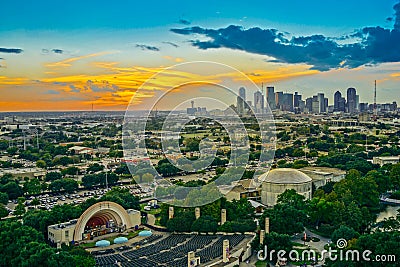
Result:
[
  {"x": 120, "y": 240},
  {"x": 285, "y": 176},
  {"x": 145, "y": 233},
  {"x": 102, "y": 243}
]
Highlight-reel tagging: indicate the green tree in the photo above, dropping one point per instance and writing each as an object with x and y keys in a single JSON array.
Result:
[
  {"x": 3, "y": 211},
  {"x": 3, "y": 198},
  {"x": 3, "y": 144},
  {"x": 95, "y": 168},
  {"x": 12, "y": 189},
  {"x": 20, "y": 208},
  {"x": 344, "y": 232},
  {"x": 35, "y": 202},
  {"x": 15, "y": 237},
  {"x": 274, "y": 241},
  {"x": 122, "y": 197},
  {"x": 383, "y": 181},
  {"x": 380, "y": 243},
  {"x": 70, "y": 171},
  {"x": 52, "y": 176},
  {"x": 192, "y": 144},
  {"x": 292, "y": 198},
  {"x": 41, "y": 164},
  {"x": 285, "y": 219},
  {"x": 205, "y": 224},
  {"x": 32, "y": 186},
  {"x": 362, "y": 190},
  {"x": 69, "y": 185},
  {"x": 182, "y": 222},
  {"x": 395, "y": 175},
  {"x": 12, "y": 150},
  {"x": 238, "y": 209},
  {"x": 242, "y": 226}
]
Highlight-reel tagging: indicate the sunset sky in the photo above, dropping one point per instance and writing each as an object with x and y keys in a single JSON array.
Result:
[{"x": 67, "y": 55}]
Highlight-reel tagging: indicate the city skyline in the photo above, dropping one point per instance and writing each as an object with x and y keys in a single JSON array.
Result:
[
  {"x": 48, "y": 63},
  {"x": 316, "y": 104}
]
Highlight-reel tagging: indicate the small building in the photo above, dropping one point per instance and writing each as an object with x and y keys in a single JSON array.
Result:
[
  {"x": 386, "y": 160},
  {"x": 81, "y": 150},
  {"x": 242, "y": 189},
  {"x": 322, "y": 175},
  {"x": 62, "y": 233}
]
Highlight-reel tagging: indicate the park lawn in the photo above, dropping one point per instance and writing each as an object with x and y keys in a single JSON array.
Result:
[
  {"x": 261, "y": 263},
  {"x": 152, "y": 211},
  {"x": 111, "y": 239}
]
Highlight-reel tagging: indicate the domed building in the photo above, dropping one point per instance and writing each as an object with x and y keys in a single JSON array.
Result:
[{"x": 277, "y": 181}]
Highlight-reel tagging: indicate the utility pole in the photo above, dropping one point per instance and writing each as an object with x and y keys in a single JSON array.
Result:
[{"x": 106, "y": 178}]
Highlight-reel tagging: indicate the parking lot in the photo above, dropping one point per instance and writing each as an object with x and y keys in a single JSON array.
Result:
[{"x": 49, "y": 200}]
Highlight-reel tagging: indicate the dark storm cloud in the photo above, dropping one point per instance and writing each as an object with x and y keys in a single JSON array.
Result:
[
  {"x": 171, "y": 43},
  {"x": 57, "y": 51},
  {"x": 147, "y": 47},
  {"x": 375, "y": 45},
  {"x": 315, "y": 50},
  {"x": 184, "y": 22},
  {"x": 397, "y": 16},
  {"x": 11, "y": 50}
]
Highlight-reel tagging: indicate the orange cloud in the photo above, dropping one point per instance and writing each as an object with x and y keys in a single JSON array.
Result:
[
  {"x": 174, "y": 59},
  {"x": 13, "y": 81},
  {"x": 279, "y": 74},
  {"x": 114, "y": 85},
  {"x": 67, "y": 62}
]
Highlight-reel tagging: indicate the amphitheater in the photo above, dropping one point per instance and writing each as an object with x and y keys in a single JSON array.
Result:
[{"x": 171, "y": 250}]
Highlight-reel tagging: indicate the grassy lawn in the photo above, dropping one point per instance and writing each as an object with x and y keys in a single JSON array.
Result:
[
  {"x": 152, "y": 211},
  {"x": 261, "y": 263},
  {"x": 111, "y": 239},
  {"x": 298, "y": 244},
  {"x": 88, "y": 245}
]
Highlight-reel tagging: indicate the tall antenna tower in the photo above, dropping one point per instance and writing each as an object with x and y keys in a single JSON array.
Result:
[{"x": 375, "y": 107}]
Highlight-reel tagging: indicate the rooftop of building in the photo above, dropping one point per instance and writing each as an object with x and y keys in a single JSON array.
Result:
[
  {"x": 70, "y": 224},
  {"x": 285, "y": 176}
]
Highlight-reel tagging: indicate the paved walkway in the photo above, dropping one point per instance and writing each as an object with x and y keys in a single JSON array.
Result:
[{"x": 317, "y": 245}]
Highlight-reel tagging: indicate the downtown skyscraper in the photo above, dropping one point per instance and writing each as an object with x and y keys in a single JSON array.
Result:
[{"x": 351, "y": 100}]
